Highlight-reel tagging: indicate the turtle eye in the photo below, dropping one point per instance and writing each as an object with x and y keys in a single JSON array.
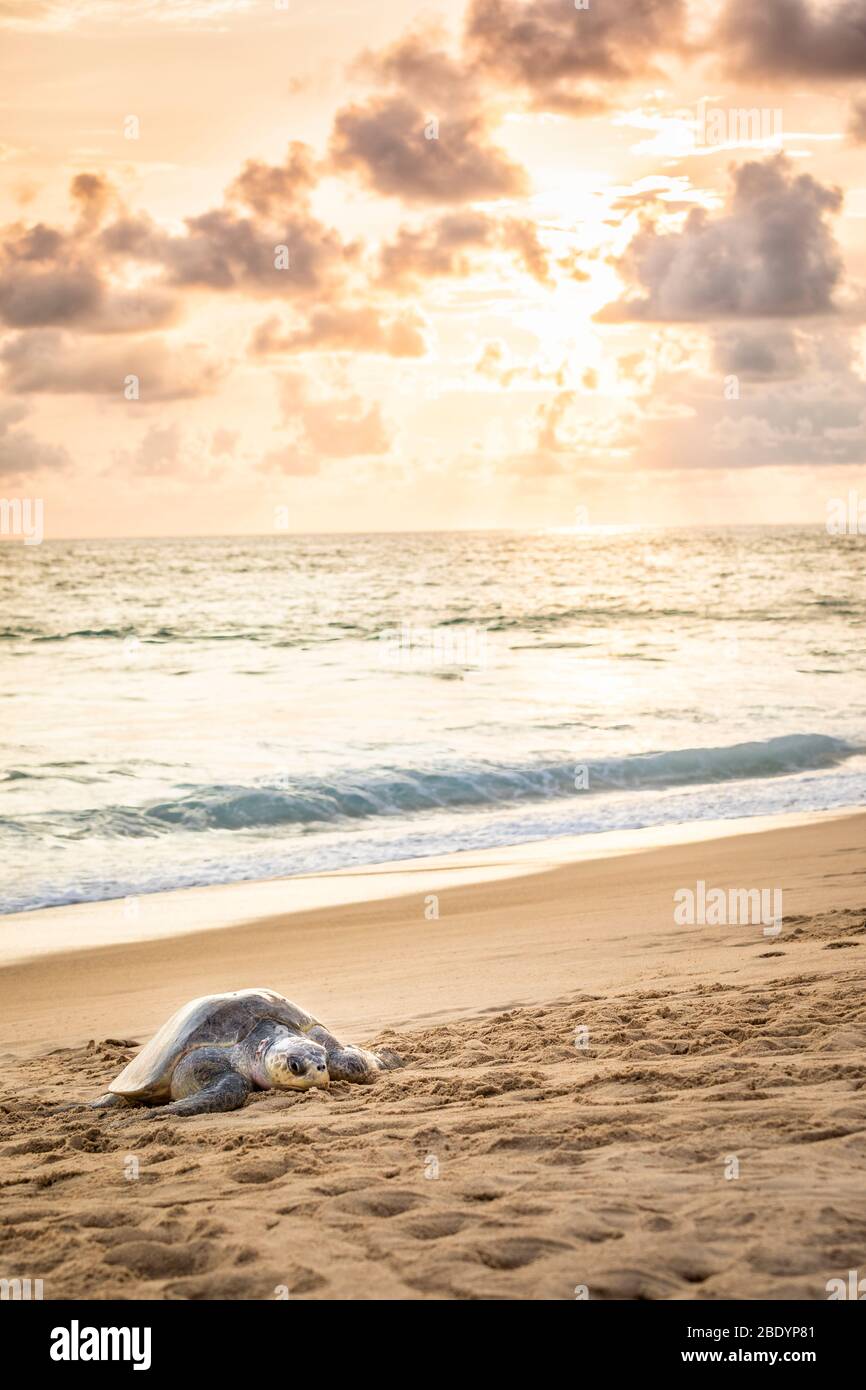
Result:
[{"x": 296, "y": 1066}]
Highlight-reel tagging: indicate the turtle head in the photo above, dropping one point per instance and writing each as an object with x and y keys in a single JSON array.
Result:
[{"x": 295, "y": 1064}]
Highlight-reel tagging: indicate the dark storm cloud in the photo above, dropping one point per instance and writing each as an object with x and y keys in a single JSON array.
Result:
[
  {"x": 770, "y": 253},
  {"x": 793, "y": 38}
]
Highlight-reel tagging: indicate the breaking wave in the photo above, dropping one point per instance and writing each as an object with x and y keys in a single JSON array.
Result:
[{"x": 401, "y": 791}]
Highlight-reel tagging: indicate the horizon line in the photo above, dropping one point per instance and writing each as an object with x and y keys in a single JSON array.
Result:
[{"x": 599, "y": 529}]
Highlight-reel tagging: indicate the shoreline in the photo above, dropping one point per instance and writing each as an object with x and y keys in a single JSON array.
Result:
[
  {"x": 365, "y": 950},
  {"x": 103, "y": 922}
]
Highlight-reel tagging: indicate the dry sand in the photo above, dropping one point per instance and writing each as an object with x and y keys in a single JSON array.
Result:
[{"x": 504, "y": 1161}]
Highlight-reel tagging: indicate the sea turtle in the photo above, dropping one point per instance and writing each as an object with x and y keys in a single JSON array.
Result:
[{"x": 215, "y": 1050}]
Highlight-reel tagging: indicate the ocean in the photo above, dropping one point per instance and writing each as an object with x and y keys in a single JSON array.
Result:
[{"x": 184, "y": 712}]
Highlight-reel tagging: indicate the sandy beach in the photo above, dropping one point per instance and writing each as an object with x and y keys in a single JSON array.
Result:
[
  {"x": 433, "y": 589},
  {"x": 596, "y": 1102}
]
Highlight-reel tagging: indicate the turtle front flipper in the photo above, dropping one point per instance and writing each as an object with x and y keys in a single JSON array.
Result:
[
  {"x": 229, "y": 1093},
  {"x": 353, "y": 1063},
  {"x": 205, "y": 1081}
]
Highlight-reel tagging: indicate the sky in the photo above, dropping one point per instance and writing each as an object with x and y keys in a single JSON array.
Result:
[{"x": 279, "y": 265}]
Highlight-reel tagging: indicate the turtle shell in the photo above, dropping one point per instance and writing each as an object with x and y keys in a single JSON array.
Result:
[{"x": 214, "y": 1020}]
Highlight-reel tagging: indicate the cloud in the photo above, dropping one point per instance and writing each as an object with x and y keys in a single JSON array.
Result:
[
  {"x": 159, "y": 450},
  {"x": 48, "y": 360},
  {"x": 21, "y": 453},
  {"x": 292, "y": 461},
  {"x": 550, "y": 418},
  {"x": 36, "y": 15},
  {"x": 857, "y": 121},
  {"x": 384, "y": 142},
  {"x": 567, "y": 432},
  {"x": 340, "y": 329},
  {"x": 50, "y": 277},
  {"x": 493, "y": 360},
  {"x": 36, "y": 295},
  {"x": 94, "y": 196},
  {"x": 338, "y": 427},
  {"x": 274, "y": 189},
  {"x": 225, "y": 251},
  {"x": 324, "y": 427},
  {"x": 788, "y": 429},
  {"x": 800, "y": 401},
  {"x": 263, "y": 241},
  {"x": 133, "y": 311},
  {"x": 449, "y": 245},
  {"x": 521, "y": 236},
  {"x": 443, "y": 246},
  {"x": 224, "y": 442},
  {"x": 417, "y": 63},
  {"x": 760, "y": 356},
  {"x": 495, "y": 364},
  {"x": 779, "y": 39},
  {"x": 770, "y": 253},
  {"x": 426, "y": 137},
  {"x": 567, "y": 59},
  {"x": 165, "y": 449}
]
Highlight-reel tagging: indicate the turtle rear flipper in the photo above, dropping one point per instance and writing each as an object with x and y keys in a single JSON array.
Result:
[
  {"x": 106, "y": 1102},
  {"x": 389, "y": 1059},
  {"x": 109, "y": 1100}
]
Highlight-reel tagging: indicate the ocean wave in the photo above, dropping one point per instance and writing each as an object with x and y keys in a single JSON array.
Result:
[
  {"x": 531, "y": 623},
  {"x": 346, "y": 796}
]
